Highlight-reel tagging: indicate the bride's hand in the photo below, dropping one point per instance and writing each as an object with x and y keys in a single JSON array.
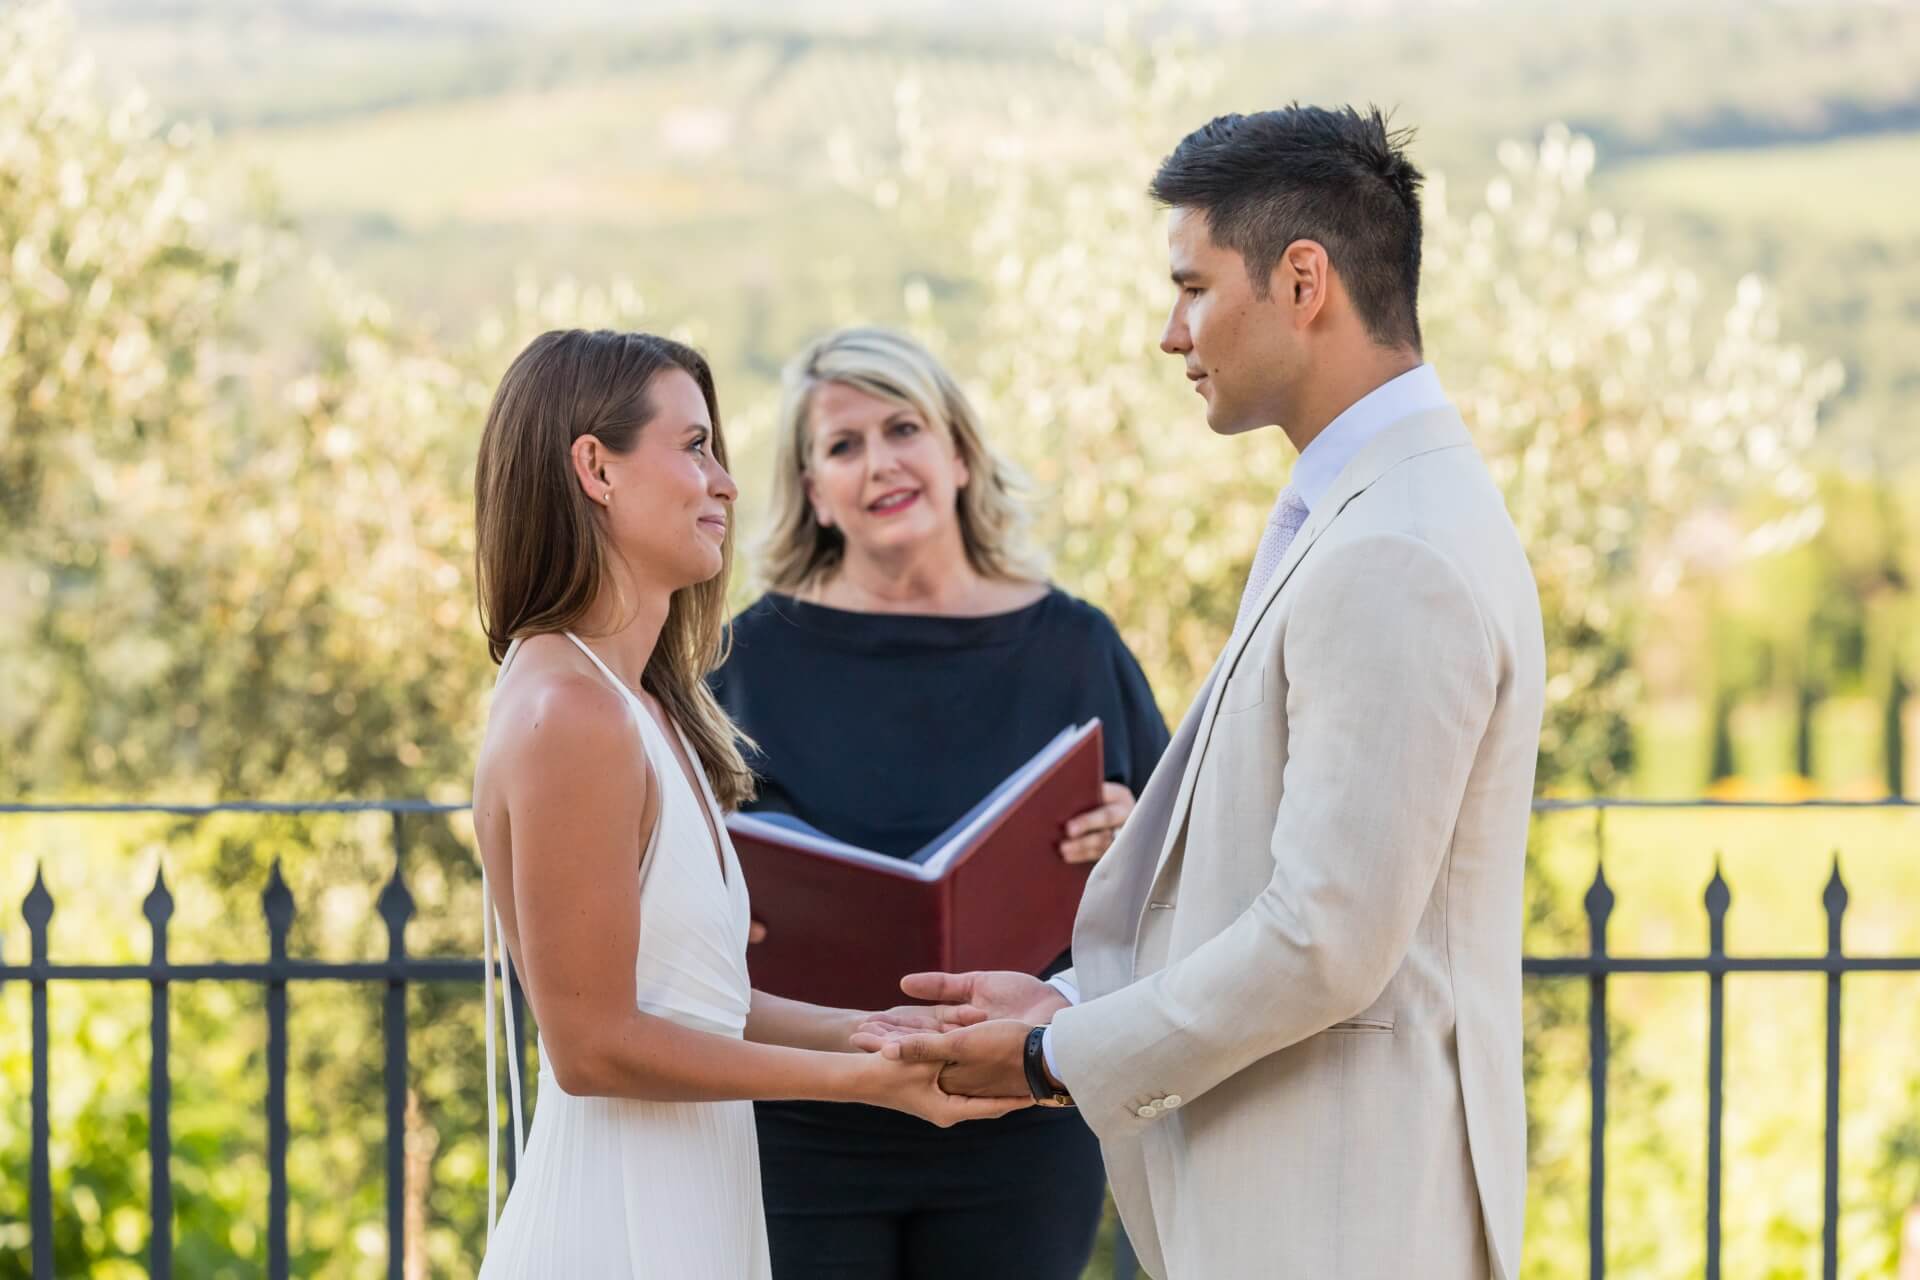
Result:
[
  {"x": 877, "y": 1028},
  {"x": 914, "y": 1087}
]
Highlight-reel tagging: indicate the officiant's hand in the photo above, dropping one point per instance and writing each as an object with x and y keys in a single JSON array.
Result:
[
  {"x": 1092, "y": 833},
  {"x": 987, "y": 1061}
]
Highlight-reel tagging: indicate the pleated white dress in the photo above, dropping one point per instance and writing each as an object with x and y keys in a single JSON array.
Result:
[{"x": 610, "y": 1187}]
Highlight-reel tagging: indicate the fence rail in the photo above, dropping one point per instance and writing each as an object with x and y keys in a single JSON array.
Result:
[{"x": 399, "y": 970}]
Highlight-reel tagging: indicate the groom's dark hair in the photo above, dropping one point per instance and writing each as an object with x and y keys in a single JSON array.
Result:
[{"x": 1340, "y": 178}]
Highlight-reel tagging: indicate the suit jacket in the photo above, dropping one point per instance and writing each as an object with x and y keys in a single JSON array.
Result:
[{"x": 1299, "y": 1036}]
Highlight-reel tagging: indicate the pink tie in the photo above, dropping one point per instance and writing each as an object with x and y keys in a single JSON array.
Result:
[{"x": 1289, "y": 513}]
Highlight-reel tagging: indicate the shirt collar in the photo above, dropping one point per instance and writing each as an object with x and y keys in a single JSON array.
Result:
[{"x": 1327, "y": 454}]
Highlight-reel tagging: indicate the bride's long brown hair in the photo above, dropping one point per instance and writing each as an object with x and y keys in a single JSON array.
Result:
[{"x": 541, "y": 551}]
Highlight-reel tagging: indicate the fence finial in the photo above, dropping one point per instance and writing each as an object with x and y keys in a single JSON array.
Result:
[
  {"x": 277, "y": 903},
  {"x": 1836, "y": 895},
  {"x": 158, "y": 906},
  {"x": 1599, "y": 907},
  {"x": 396, "y": 902},
  {"x": 1719, "y": 895},
  {"x": 38, "y": 908},
  {"x": 1835, "y": 900}
]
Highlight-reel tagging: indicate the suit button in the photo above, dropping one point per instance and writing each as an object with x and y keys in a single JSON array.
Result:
[
  {"x": 1148, "y": 1112},
  {"x": 1169, "y": 1102}
]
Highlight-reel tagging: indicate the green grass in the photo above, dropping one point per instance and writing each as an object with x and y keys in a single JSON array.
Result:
[
  {"x": 618, "y": 152},
  {"x": 1855, "y": 188}
]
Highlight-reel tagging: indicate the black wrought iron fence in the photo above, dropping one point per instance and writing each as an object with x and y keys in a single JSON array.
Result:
[
  {"x": 396, "y": 906},
  {"x": 1598, "y": 965}
]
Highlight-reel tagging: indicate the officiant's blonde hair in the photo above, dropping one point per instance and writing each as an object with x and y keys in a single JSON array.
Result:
[{"x": 798, "y": 550}]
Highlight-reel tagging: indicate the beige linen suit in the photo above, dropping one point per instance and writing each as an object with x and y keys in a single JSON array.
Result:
[{"x": 1299, "y": 965}]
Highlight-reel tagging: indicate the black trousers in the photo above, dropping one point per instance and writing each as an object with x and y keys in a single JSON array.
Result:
[{"x": 855, "y": 1191}]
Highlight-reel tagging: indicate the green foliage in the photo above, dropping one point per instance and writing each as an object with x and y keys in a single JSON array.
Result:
[{"x": 113, "y": 291}]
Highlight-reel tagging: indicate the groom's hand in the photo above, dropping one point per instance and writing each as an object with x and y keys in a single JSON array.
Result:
[
  {"x": 984, "y": 1061},
  {"x": 988, "y": 995}
]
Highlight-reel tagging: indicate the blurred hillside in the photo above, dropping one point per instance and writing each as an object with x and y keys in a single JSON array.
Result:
[{"x": 438, "y": 150}]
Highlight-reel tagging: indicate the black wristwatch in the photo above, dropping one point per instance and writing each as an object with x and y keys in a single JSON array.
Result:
[{"x": 1035, "y": 1060}]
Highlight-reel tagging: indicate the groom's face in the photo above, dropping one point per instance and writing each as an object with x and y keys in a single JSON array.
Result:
[{"x": 1236, "y": 344}]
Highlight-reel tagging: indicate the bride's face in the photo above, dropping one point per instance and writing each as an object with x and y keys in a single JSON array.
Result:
[{"x": 668, "y": 502}]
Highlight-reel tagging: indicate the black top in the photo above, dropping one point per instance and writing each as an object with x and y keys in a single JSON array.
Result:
[{"x": 883, "y": 729}]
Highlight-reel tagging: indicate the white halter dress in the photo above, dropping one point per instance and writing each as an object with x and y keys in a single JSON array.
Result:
[{"x": 612, "y": 1187}]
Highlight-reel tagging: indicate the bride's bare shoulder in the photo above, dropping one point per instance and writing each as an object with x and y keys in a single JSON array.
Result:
[{"x": 553, "y": 703}]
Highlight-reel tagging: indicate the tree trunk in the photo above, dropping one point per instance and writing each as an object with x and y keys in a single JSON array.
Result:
[
  {"x": 1893, "y": 736},
  {"x": 1722, "y": 766},
  {"x": 1806, "y": 702}
]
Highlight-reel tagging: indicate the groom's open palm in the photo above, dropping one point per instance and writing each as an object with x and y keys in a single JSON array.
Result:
[{"x": 961, "y": 1000}]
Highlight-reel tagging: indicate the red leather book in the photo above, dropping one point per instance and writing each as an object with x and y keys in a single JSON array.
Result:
[{"x": 844, "y": 923}]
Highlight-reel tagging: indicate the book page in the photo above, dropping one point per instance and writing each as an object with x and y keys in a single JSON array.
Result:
[
  {"x": 932, "y": 861},
  {"x": 785, "y": 829}
]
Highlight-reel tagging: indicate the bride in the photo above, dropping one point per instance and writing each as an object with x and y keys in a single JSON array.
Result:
[{"x": 604, "y": 517}]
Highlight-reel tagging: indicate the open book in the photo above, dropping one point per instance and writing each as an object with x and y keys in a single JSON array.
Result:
[{"x": 991, "y": 892}]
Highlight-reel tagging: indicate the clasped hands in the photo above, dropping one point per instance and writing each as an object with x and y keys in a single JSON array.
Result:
[{"x": 975, "y": 1025}]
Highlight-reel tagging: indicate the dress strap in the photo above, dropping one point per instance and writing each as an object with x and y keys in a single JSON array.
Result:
[
  {"x": 489, "y": 925},
  {"x": 605, "y": 670},
  {"x": 703, "y": 785},
  {"x": 650, "y": 732}
]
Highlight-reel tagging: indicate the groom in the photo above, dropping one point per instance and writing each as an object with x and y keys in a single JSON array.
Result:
[{"x": 1294, "y": 1020}]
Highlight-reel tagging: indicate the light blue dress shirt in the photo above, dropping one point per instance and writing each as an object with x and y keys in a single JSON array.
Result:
[{"x": 1417, "y": 390}]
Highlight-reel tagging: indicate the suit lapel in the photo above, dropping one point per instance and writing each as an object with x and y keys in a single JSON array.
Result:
[
  {"x": 1411, "y": 436},
  {"x": 1116, "y": 894}
]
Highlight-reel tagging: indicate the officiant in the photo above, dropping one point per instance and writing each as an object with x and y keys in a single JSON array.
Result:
[{"x": 909, "y": 655}]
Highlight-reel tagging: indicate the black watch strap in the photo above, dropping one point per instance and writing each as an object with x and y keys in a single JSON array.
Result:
[{"x": 1035, "y": 1062}]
